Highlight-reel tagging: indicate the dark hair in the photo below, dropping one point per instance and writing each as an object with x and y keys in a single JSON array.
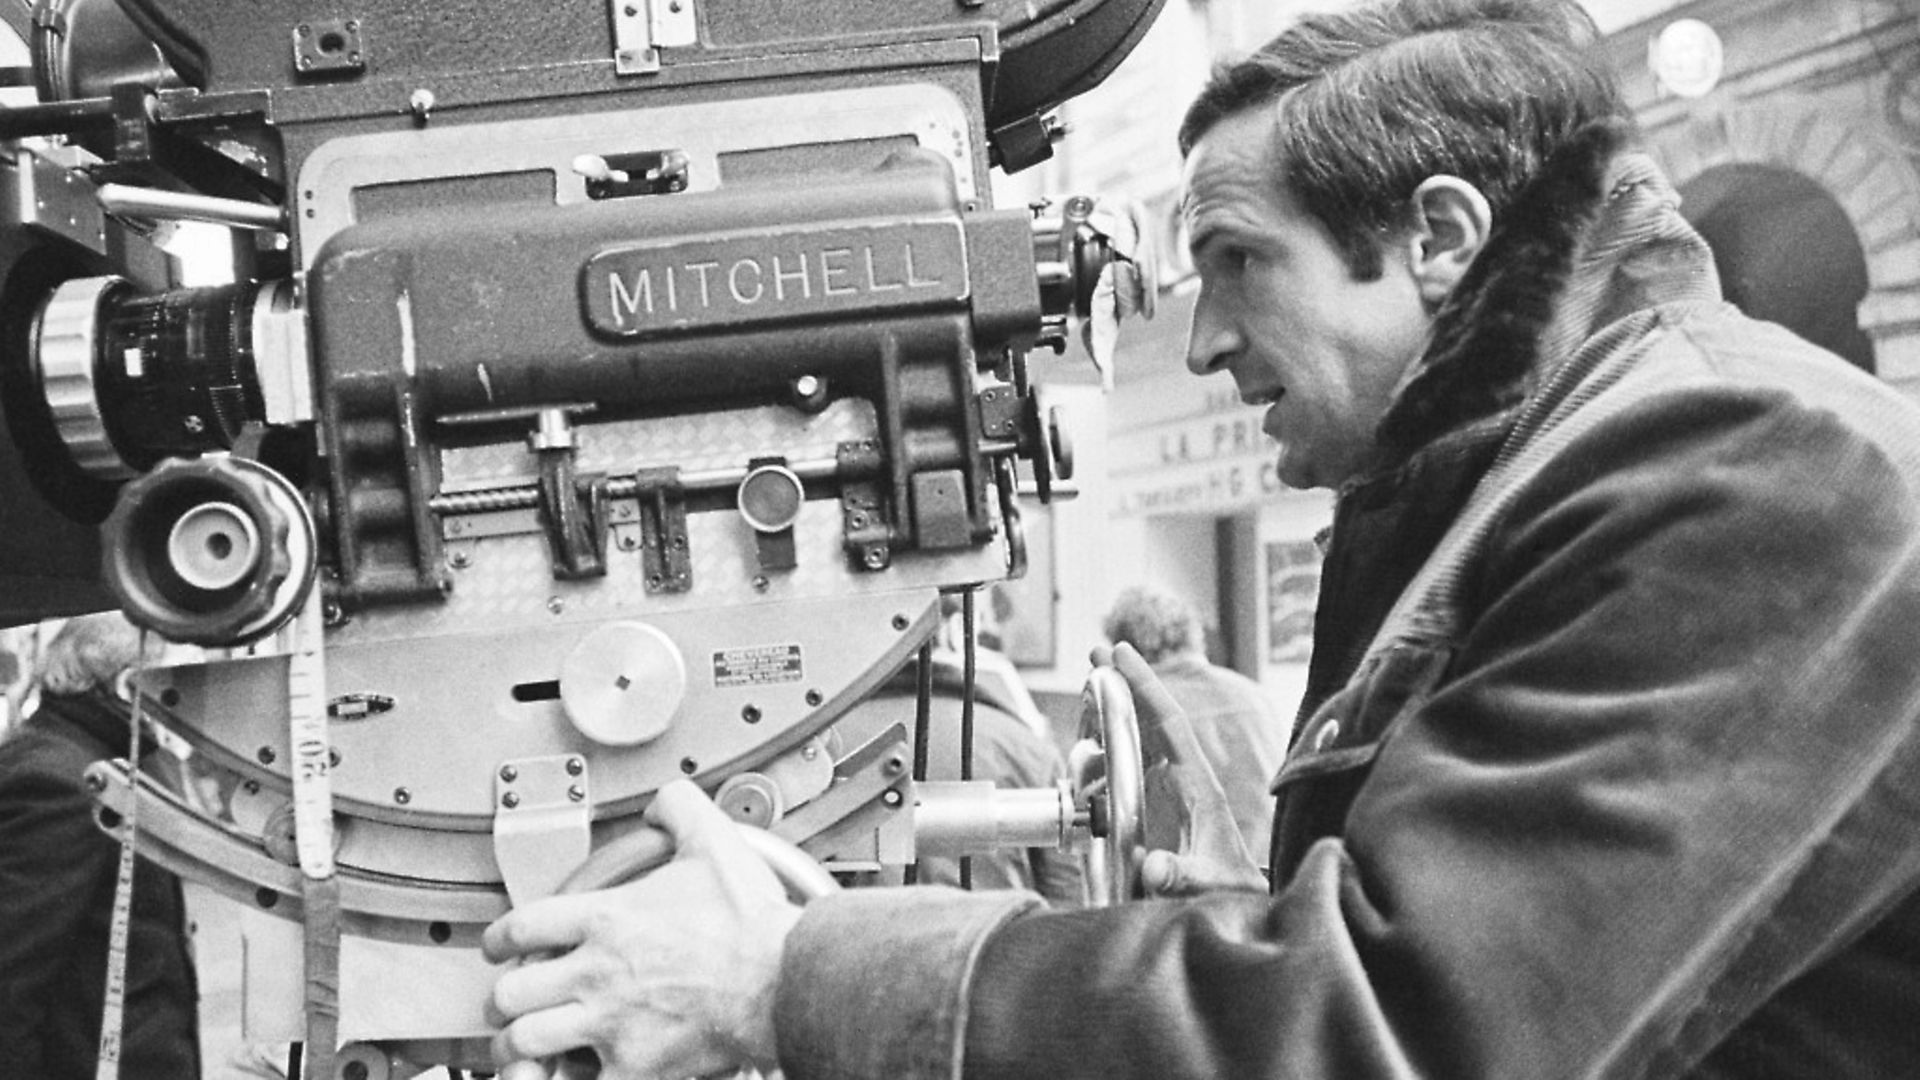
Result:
[{"x": 1370, "y": 101}]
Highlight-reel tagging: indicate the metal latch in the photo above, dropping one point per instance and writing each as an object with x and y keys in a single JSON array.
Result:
[
  {"x": 541, "y": 823},
  {"x": 641, "y": 28}
]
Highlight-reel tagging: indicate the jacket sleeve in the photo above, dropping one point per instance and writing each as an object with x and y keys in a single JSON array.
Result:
[
  {"x": 1671, "y": 765},
  {"x": 52, "y": 864}
]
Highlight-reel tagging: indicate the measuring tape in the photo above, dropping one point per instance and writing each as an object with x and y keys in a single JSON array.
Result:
[
  {"x": 114, "y": 1011},
  {"x": 313, "y": 836}
]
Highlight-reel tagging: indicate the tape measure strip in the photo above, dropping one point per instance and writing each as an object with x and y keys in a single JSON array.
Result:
[
  {"x": 313, "y": 837},
  {"x": 114, "y": 1007}
]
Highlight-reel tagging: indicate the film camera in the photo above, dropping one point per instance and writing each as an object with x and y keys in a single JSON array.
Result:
[{"x": 603, "y": 394}]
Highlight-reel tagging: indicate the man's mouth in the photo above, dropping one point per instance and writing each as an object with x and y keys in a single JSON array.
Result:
[{"x": 1266, "y": 399}]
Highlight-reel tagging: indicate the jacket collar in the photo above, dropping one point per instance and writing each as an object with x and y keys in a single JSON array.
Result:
[
  {"x": 97, "y": 716},
  {"x": 1595, "y": 238}
]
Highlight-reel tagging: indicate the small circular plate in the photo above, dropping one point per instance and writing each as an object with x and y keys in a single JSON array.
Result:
[{"x": 623, "y": 683}]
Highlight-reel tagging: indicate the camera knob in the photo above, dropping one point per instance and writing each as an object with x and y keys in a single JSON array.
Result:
[{"x": 214, "y": 551}]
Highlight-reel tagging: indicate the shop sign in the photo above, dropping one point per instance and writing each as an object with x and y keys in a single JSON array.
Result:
[{"x": 1213, "y": 459}]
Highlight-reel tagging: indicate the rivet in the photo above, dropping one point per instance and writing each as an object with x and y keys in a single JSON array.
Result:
[
  {"x": 510, "y": 800},
  {"x": 509, "y": 773}
]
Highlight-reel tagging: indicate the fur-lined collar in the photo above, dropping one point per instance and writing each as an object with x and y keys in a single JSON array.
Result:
[{"x": 1489, "y": 349}]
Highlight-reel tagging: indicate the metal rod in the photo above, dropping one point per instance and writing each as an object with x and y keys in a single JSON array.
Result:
[
  {"x": 181, "y": 206},
  {"x": 56, "y": 118},
  {"x": 526, "y": 496}
]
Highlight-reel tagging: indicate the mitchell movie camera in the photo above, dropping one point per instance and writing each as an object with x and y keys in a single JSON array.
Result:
[{"x": 602, "y": 394}]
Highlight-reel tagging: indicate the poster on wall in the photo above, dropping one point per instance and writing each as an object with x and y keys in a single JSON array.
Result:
[{"x": 1293, "y": 586}]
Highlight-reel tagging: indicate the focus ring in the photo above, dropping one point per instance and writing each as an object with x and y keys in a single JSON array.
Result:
[{"x": 67, "y": 336}]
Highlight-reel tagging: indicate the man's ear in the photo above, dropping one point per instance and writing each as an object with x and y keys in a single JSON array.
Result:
[{"x": 1451, "y": 222}]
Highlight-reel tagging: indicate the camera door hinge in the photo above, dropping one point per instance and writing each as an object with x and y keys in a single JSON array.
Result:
[
  {"x": 573, "y": 510},
  {"x": 641, "y": 28},
  {"x": 665, "y": 561}
]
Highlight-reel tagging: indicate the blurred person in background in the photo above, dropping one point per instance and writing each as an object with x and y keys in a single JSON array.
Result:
[
  {"x": 1242, "y": 737},
  {"x": 994, "y": 670},
  {"x": 1007, "y": 749},
  {"x": 59, "y": 872}
]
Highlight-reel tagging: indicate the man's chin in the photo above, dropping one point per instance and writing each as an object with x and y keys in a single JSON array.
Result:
[{"x": 1295, "y": 474}]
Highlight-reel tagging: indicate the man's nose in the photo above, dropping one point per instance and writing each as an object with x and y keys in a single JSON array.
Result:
[{"x": 1212, "y": 341}]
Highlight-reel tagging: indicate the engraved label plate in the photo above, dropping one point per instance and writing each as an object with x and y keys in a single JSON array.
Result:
[
  {"x": 644, "y": 289},
  {"x": 758, "y": 665}
]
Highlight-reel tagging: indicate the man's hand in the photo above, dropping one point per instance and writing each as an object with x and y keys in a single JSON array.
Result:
[
  {"x": 671, "y": 975},
  {"x": 1181, "y": 790}
]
